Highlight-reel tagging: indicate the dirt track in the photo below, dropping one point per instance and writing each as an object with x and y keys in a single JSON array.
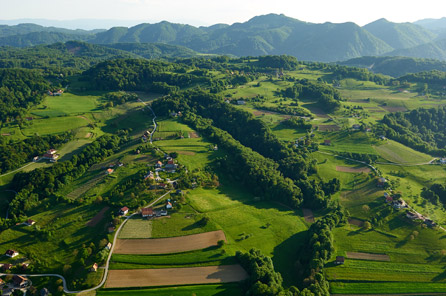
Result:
[
  {"x": 353, "y": 170},
  {"x": 308, "y": 215},
  {"x": 368, "y": 256},
  {"x": 169, "y": 245},
  {"x": 175, "y": 276},
  {"x": 97, "y": 218}
]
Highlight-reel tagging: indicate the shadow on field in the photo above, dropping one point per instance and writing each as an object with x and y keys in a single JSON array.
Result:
[{"x": 285, "y": 256}]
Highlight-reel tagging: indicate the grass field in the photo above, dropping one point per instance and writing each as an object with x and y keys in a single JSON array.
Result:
[
  {"x": 136, "y": 228},
  {"x": 398, "y": 153},
  {"x": 385, "y": 288},
  {"x": 54, "y": 125},
  {"x": 274, "y": 229},
  {"x": 208, "y": 256},
  {"x": 68, "y": 103},
  {"x": 198, "y": 290}
]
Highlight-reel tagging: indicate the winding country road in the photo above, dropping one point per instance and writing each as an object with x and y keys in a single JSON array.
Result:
[{"x": 65, "y": 288}]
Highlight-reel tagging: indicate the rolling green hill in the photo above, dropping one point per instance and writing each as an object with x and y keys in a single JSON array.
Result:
[
  {"x": 154, "y": 50},
  {"x": 400, "y": 35},
  {"x": 396, "y": 66}
]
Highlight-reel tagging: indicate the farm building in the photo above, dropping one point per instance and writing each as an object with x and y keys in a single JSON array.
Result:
[
  {"x": 94, "y": 268},
  {"x": 147, "y": 212},
  {"x": 30, "y": 222},
  {"x": 108, "y": 246},
  {"x": 109, "y": 171},
  {"x": 339, "y": 260},
  {"x": 123, "y": 211},
  {"x": 20, "y": 281},
  {"x": 381, "y": 182},
  {"x": 159, "y": 164},
  {"x": 51, "y": 155},
  {"x": 168, "y": 205},
  {"x": 430, "y": 223},
  {"x": 11, "y": 253},
  {"x": 399, "y": 204}
]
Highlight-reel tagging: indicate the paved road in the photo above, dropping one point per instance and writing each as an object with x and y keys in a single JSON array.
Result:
[
  {"x": 154, "y": 117},
  {"x": 16, "y": 170},
  {"x": 65, "y": 288}
]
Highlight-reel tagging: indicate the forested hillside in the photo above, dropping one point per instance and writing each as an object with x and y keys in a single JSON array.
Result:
[
  {"x": 19, "y": 89},
  {"x": 421, "y": 129}
]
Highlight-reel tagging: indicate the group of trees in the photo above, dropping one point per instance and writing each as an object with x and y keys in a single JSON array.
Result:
[
  {"x": 317, "y": 251},
  {"x": 421, "y": 129},
  {"x": 19, "y": 90},
  {"x": 436, "y": 194},
  {"x": 13, "y": 155},
  {"x": 328, "y": 97},
  {"x": 138, "y": 74},
  {"x": 34, "y": 186},
  {"x": 280, "y": 168}
]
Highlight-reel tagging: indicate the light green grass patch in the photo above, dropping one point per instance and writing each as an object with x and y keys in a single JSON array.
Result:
[
  {"x": 68, "y": 103},
  {"x": 198, "y": 290},
  {"x": 136, "y": 227},
  {"x": 54, "y": 125},
  {"x": 385, "y": 288},
  {"x": 398, "y": 153}
]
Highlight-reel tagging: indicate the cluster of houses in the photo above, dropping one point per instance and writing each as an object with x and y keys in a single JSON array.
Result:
[
  {"x": 56, "y": 93},
  {"x": 152, "y": 213},
  {"x": 412, "y": 215}
]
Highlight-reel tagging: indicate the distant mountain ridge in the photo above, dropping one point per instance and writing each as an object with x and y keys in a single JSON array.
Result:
[{"x": 270, "y": 34}]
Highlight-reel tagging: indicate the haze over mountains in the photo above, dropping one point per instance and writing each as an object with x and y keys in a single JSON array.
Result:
[{"x": 261, "y": 35}]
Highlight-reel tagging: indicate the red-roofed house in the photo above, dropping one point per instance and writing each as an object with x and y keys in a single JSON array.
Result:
[
  {"x": 11, "y": 253},
  {"x": 168, "y": 205},
  {"x": 123, "y": 211},
  {"x": 147, "y": 212},
  {"x": 109, "y": 171},
  {"x": 30, "y": 222},
  {"x": 94, "y": 267}
]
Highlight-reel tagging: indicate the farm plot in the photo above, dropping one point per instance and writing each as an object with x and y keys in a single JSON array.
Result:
[
  {"x": 136, "y": 228},
  {"x": 169, "y": 245},
  {"x": 368, "y": 256},
  {"x": 175, "y": 276},
  {"x": 353, "y": 169}
]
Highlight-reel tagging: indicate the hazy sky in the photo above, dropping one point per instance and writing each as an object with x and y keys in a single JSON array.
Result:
[{"x": 206, "y": 12}]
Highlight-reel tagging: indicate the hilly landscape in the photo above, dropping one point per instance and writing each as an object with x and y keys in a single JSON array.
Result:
[
  {"x": 272, "y": 157},
  {"x": 261, "y": 35}
]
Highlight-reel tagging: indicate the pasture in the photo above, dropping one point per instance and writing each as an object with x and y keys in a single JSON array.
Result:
[
  {"x": 54, "y": 125},
  {"x": 66, "y": 104},
  {"x": 398, "y": 153}
]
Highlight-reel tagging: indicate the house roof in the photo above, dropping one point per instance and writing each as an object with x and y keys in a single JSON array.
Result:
[
  {"x": 147, "y": 211},
  {"x": 123, "y": 209},
  {"x": 10, "y": 252},
  {"x": 29, "y": 221},
  {"x": 7, "y": 266},
  {"x": 110, "y": 171},
  {"x": 18, "y": 279}
]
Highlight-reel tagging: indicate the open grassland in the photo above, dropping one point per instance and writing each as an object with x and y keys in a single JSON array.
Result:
[
  {"x": 182, "y": 223},
  {"x": 274, "y": 229},
  {"x": 417, "y": 260},
  {"x": 385, "y": 288},
  {"x": 398, "y": 153},
  {"x": 175, "y": 276},
  {"x": 348, "y": 141},
  {"x": 193, "y": 153},
  {"x": 68, "y": 103},
  {"x": 136, "y": 228},
  {"x": 54, "y": 125},
  {"x": 68, "y": 228},
  {"x": 204, "y": 257},
  {"x": 197, "y": 290}
]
